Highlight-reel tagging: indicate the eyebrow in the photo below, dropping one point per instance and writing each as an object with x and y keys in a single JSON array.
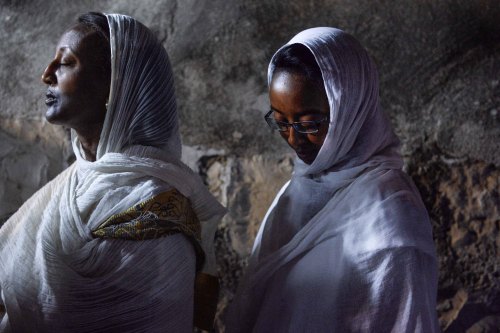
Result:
[
  {"x": 304, "y": 113},
  {"x": 66, "y": 48}
]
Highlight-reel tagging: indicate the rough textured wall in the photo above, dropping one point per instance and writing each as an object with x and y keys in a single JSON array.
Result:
[{"x": 439, "y": 63}]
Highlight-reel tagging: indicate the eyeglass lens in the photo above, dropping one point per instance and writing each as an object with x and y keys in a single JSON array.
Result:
[{"x": 306, "y": 127}]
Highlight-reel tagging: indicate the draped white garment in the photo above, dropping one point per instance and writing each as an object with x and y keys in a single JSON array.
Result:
[
  {"x": 346, "y": 246},
  {"x": 56, "y": 277}
]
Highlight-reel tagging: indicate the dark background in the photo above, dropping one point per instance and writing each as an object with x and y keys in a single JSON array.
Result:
[{"x": 439, "y": 66}]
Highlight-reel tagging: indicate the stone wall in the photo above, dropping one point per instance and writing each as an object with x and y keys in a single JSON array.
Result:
[{"x": 439, "y": 64}]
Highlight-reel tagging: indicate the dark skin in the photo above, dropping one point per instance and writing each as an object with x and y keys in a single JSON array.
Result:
[
  {"x": 77, "y": 87},
  {"x": 294, "y": 98}
]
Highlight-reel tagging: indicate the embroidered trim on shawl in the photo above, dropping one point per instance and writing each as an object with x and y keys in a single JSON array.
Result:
[{"x": 164, "y": 214}]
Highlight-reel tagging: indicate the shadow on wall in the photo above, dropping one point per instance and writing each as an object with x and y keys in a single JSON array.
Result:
[{"x": 463, "y": 200}]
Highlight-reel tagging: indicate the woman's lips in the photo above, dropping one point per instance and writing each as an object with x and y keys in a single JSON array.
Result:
[
  {"x": 305, "y": 155},
  {"x": 50, "y": 99}
]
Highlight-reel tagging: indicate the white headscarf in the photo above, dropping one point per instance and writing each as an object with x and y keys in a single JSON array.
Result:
[
  {"x": 54, "y": 275},
  {"x": 327, "y": 253},
  {"x": 360, "y": 136},
  {"x": 142, "y": 109}
]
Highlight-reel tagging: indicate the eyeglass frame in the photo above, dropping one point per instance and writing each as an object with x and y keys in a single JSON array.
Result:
[{"x": 295, "y": 124}]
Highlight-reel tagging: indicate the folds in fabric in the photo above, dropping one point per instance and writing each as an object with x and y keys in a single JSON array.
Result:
[
  {"x": 164, "y": 214},
  {"x": 347, "y": 244},
  {"x": 55, "y": 275}
]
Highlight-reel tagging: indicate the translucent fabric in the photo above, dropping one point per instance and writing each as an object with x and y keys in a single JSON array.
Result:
[
  {"x": 141, "y": 108},
  {"x": 54, "y": 275},
  {"x": 346, "y": 246}
]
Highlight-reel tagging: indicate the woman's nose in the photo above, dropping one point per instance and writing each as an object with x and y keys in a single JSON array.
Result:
[
  {"x": 48, "y": 76},
  {"x": 294, "y": 137}
]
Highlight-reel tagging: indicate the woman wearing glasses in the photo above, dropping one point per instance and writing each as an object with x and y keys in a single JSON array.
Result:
[{"x": 346, "y": 246}]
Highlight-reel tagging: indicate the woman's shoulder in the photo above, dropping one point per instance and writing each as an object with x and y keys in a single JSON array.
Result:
[
  {"x": 386, "y": 209},
  {"x": 391, "y": 186}
]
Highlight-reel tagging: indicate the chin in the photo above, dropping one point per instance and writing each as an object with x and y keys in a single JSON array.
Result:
[
  {"x": 306, "y": 159},
  {"x": 53, "y": 116},
  {"x": 306, "y": 154}
]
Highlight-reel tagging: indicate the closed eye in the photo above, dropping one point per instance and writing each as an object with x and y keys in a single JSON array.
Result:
[{"x": 281, "y": 121}]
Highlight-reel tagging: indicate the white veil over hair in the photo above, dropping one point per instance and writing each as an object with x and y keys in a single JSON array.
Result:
[
  {"x": 347, "y": 243},
  {"x": 143, "y": 113},
  {"x": 54, "y": 275}
]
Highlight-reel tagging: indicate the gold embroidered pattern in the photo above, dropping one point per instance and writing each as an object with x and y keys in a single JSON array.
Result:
[{"x": 164, "y": 214}]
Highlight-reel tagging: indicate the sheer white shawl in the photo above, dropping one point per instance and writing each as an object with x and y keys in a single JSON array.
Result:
[
  {"x": 346, "y": 246},
  {"x": 56, "y": 277}
]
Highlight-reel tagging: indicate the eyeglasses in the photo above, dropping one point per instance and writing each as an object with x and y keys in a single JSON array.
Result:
[{"x": 304, "y": 127}]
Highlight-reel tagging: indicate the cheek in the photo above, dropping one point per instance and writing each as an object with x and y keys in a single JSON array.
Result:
[
  {"x": 68, "y": 83},
  {"x": 318, "y": 139}
]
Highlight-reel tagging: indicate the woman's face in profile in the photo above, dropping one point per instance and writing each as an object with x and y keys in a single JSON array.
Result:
[
  {"x": 296, "y": 98},
  {"x": 77, "y": 89}
]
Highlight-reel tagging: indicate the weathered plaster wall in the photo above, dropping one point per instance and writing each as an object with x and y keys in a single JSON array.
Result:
[{"x": 439, "y": 65}]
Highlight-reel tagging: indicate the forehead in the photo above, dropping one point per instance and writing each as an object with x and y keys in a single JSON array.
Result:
[
  {"x": 70, "y": 38},
  {"x": 292, "y": 83},
  {"x": 295, "y": 94},
  {"x": 75, "y": 39}
]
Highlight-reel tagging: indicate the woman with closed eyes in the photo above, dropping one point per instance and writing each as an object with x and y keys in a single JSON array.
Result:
[{"x": 118, "y": 241}]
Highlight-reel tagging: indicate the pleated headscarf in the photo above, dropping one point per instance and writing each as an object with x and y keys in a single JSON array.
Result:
[
  {"x": 346, "y": 245},
  {"x": 55, "y": 275},
  {"x": 142, "y": 108}
]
